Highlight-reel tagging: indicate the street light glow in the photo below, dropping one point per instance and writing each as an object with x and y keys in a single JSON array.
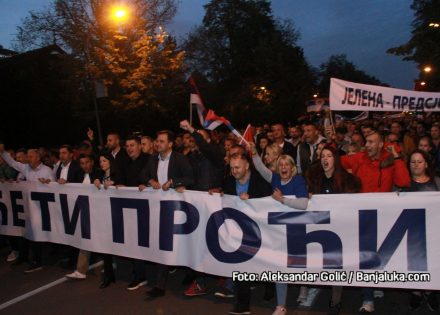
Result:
[
  {"x": 434, "y": 25},
  {"x": 427, "y": 69},
  {"x": 423, "y": 83},
  {"x": 119, "y": 13}
]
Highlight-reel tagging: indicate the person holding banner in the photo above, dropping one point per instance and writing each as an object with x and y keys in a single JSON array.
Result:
[
  {"x": 245, "y": 183},
  {"x": 90, "y": 174},
  {"x": 329, "y": 177},
  {"x": 34, "y": 171},
  {"x": 422, "y": 179},
  {"x": 166, "y": 169},
  {"x": 285, "y": 182},
  {"x": 111, "y": 177},
  {"x": 271, "y": 155},
  {"x": 379, "y": 169}
]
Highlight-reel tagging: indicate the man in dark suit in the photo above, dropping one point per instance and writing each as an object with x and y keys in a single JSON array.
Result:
[
  {"x": 245, "y": 183},
  {"x": 69, "y": 170},
  {"x": 130, "y": 170},
  {"x": 89, "y": 173},
  {"x": 166, "y": 169}
]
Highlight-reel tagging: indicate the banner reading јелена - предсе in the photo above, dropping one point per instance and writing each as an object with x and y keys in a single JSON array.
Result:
[{"x": 345, "y": 95}]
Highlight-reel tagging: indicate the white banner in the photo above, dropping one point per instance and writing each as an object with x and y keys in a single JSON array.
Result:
[
  {"x": 379, "y": 240},
  {"x": 345, "y": 95}
]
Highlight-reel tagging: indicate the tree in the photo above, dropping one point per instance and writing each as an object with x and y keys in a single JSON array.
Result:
[
  {"x": 339, "y": 67},
  {"x": 133, "y": 59},
  {"x": 424, "y": 45},
  {"x": 252, "y": 60}
]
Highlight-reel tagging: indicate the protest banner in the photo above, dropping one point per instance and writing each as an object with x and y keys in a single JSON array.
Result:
[
  {"x": 370, "y": 239},
  {"x": 345, "y": 95}
]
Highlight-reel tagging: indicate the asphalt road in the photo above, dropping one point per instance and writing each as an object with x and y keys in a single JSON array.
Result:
[{"x": 85, "y": 297}]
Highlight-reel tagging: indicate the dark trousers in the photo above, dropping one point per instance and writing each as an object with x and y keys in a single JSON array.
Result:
[
  {"x": 36, "y": 251},
  {"x": 138, "y": 269},
  {"x": 108, "y": 266},
  {"x": 14, "y": 242},
  {"x": 162, "y": 276},
  {"x": 242, "y": 293}
]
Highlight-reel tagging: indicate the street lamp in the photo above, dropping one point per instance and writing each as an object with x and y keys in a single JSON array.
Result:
[
  {"x": 427, "y": 69},
  {"x": 119, "y": 13},
  {"x": 434, "y": 25}
]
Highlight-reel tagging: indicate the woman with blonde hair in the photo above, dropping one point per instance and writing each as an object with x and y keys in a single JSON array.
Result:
[
  {"x": 271, "y": 154},
  {"x": 285, "y": 181}
]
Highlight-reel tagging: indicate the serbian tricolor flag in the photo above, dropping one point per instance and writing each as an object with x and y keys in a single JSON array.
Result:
[
  {"x": 212, "y": 121},
  {"x": 196, "y": 100},
  {"x": 208, "y": 119}
]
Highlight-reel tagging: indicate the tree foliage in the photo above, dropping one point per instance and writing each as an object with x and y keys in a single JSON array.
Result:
[
  {"x": 133, "y": 58},
  {"x": 253, "y": 61},
  {"x": 424, "y": 44},
  {"x": 339, "y": 67}
]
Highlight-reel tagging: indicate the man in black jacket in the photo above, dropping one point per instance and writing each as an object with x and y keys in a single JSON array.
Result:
[
  {"x": 245, "y": 183},
  {"x": 90, "y": 173},
  {"x": 69, "y": 170},
  {"x": 279, "y": 138},
  {"x": 166, "y": 169},
  {"x": 207, "y": 159},
  {"x": 130, "y": 170}
]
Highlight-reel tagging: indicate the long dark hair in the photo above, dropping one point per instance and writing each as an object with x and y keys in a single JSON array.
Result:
[
  {"x": 115, "y": 174},
  {"x": 108, "y": 156},
  {"x": 343, "y": 182},
  {"x": 261, "y": 137}
]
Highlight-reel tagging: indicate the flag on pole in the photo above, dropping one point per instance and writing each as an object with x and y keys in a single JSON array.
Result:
[
  {"x": 208, "y": 119},
  {"x": 247, "y": 135},
  {"x": 212, "y": 121},
  {"x": 196, "y": 100}
]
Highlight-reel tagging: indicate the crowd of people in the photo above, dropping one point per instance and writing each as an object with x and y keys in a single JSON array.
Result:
[{"x": 307, "y": 158}]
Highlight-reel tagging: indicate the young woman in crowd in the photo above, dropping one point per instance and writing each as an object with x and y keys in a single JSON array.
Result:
[
  {"x": 271, "y": 155},
  {"x": 329, "y": 177},
  {"x": 285, "y": 182},
  {"x": 262, "y": 142},
  {"x": 422, "y": 179}
]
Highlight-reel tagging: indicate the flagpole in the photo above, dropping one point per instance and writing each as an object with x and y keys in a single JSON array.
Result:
[
  {"x": 331, "y": 120},
  {"x": 190, "y": 113}
]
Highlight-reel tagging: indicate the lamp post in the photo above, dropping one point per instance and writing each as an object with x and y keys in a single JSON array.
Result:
[{"x": 119, "y": 14}]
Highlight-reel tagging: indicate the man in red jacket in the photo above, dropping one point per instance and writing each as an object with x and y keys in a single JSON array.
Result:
[{"x": 379, "y": 170}]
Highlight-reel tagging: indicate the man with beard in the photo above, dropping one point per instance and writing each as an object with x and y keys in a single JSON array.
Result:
[
  {"x": 166, "y": 169},
  {"x": 379, "y": 169}
]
